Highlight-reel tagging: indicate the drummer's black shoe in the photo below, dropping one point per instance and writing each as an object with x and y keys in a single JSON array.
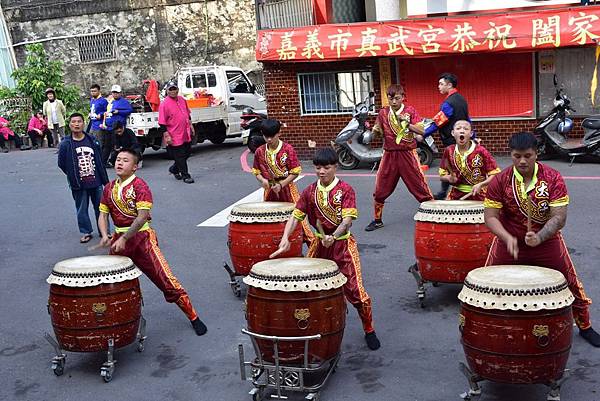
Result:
[
  {"x": 372, "y": 341},
  {"x": 199, "y": 327},
  {"x": 591, "y": 336},
  {"x": 374, "y": 225}
]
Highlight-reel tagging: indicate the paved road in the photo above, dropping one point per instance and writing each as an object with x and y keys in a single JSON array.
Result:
[{"x": 420, "y": 352}]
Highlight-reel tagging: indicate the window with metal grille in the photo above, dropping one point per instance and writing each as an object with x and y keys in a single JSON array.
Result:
[
  {"x": 98, "y": 48},
  {"x": 333, "y": 92}
]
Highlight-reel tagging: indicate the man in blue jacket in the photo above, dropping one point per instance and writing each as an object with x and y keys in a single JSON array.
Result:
[
  {"x": 79, "y": 157},
  {"x": 98, "y": 105},
  {"x": 118, "y": 109}
]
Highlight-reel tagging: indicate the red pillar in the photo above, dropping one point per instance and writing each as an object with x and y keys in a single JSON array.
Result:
[{"x": 323, "y": 11}]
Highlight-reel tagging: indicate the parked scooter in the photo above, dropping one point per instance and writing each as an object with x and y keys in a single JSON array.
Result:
[
  {"x": 354, "y": 139},
  {"x": 552, "y": 132},
  {"x": 250, "y": 125}
]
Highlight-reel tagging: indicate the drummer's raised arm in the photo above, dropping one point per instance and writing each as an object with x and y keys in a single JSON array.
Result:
[{"x": 284, "y": 244}]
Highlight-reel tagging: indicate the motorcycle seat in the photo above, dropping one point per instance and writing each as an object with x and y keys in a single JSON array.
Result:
[{"x": 592, "y": 123}]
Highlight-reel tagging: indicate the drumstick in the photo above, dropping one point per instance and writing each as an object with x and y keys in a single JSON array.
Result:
[
  {"x": 94, "y": 247},
  {"x": 529, "y": 206},
  {"x": 466, "y": 196},
  {"x": 320, "y": 228}
]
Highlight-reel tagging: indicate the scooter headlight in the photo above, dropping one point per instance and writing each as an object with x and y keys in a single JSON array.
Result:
[{"x": 558, "y": 102}]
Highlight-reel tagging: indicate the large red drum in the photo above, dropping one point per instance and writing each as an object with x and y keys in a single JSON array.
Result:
[
  {"x": 297, "y": 297},
  {"x": 451, "y": 239},
  {"x": 255, "y": 230},
  {"x": 516, "y": 323},
  {"x": 93, "y": 299}
]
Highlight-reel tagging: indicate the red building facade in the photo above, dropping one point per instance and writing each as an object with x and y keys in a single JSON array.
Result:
[{"x": 504, "y": 62}]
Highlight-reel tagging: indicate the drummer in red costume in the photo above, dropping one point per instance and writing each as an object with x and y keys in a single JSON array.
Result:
[
  {"x": 526, "y": 206},
  {"x": 467, "y": 165},
  {"x": 276, "y": 166},
  {"x": 330, "y": 205},
  {"x": 128, "y": 201},
  {"x": 401, "y": 127}
]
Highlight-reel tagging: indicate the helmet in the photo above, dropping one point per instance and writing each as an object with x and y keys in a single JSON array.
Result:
[
  {"x": 248, "y": 113},
  {"x": 564, "y": 127},
  {"x": 366, "y": 137}
]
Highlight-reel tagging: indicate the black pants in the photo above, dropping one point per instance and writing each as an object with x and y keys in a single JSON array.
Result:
[
  {"x": 37, "y": 140},
  {"x": 105, "y": 139},
  {"x": 16, "y": 138},
  {"x": 447, "y": 141},
  {"x": 180, "y": 155}
]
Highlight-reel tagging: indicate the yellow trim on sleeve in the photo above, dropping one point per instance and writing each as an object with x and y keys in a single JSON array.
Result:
[
  {"x": 143, "y": 205},
  {"x": 442, "y": 172},
  {"x": 104, "y": 209},
  {"x": 296, "y": 170},
  {"x": 255, "y": 171},
  {"x": 350, "y": 212},
  {"x": 298, "y": 214},
  {"x": 564, "y": 201},
  {"x": 494, "y": 171},
  {"x": 491, "y": 204}
]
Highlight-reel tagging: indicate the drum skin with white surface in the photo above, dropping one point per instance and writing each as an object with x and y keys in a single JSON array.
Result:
[
  {"x": 93, "y": 299},
  {"x": 255, "y": 230},
  {"x": 516, "y": 323},
  {"x": 451, "y": 239},
  {"x": 294, "y": 297}
]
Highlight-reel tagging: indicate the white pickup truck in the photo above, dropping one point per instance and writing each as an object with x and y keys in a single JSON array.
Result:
[{"x": 215, "y": 123}]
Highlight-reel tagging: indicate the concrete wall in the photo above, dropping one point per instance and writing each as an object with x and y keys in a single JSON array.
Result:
[{"x": 154, "y": 37}]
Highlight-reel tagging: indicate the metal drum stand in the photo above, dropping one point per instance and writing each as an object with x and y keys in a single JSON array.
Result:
[
  {"x": 307, "y": 378},
  {"x": 108, "y": 367}
]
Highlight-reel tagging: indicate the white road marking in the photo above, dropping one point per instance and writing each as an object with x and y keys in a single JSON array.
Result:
[{"x": 220, "y": 219}]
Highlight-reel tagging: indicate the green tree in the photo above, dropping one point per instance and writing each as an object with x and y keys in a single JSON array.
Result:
[{"x": 40, "y": 73}]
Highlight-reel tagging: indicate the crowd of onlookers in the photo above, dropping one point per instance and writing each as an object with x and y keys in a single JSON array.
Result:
[{"x": 107, "y": 124}]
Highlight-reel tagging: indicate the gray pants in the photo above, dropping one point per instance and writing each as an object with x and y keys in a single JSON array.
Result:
[
  {"x": 58, "y": 134},
  {"x": 105, "y": 140}
]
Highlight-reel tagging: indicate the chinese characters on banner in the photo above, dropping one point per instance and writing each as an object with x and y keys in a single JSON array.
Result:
[{"x": 422, "y": 38}]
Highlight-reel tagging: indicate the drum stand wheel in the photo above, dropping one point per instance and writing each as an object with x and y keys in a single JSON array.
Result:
[
  {"x": 233, "y": 280},
  {"x": 475, "y": 390},
  {"x": 58, "y": 362},
  {"x": 414, "y": 270},
  {"x": 108, "y": 367},
  {"x": 141, "y": 335}
]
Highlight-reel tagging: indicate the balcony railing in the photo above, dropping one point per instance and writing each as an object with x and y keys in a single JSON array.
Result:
[{"x": 273, "y": 14}]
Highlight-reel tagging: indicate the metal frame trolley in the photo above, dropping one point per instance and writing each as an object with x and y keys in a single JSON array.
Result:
[{"x": 308, "y": 378}]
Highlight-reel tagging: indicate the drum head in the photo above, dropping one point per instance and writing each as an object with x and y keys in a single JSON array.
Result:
[
  {"x": 516, "y": 287},
  {"x": 451, "y": 211},
  {"x": 89, "y": 271},
  {"x": 261, "y": 212},
  {"x": 295, "y": 274}
]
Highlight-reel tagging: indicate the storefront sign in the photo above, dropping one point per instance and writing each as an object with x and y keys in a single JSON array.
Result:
[{"x": 545, "y": 29}]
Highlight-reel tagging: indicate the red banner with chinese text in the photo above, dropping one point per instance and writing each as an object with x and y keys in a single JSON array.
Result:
[{"x": 521, "y": 31}]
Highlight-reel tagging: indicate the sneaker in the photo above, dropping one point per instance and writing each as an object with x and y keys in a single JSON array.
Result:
[
  {"x": 372, "y": 341},
  {"x": 178, "y": 176},
  {"x": 591, "y": 336},
  {"x": 188, "y": 180},
  {"x": 199, "y": 327},
  {"x": 4, "y": 150},
  {"x": 374, "y": 225}
]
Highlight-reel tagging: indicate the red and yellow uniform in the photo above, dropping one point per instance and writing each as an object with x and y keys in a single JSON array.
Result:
[
  {"x": 122, "y": 201},
  {"x": 330, "y": 205},
  {"x": 275, "y": 166},
  {"x": 470, "y": 168},
  {"x": 547, "y": 189},
  {"x": 400, "y": 159}
]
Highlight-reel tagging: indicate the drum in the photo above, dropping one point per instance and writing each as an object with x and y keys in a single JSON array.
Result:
[
  {"x": 297, "y": 297},
  {"x": 516, "y": 323},
  {"x": 451, "y": 239},
  {"x": 93, "y": 299},
  {"x": 255, "y": 230}
]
